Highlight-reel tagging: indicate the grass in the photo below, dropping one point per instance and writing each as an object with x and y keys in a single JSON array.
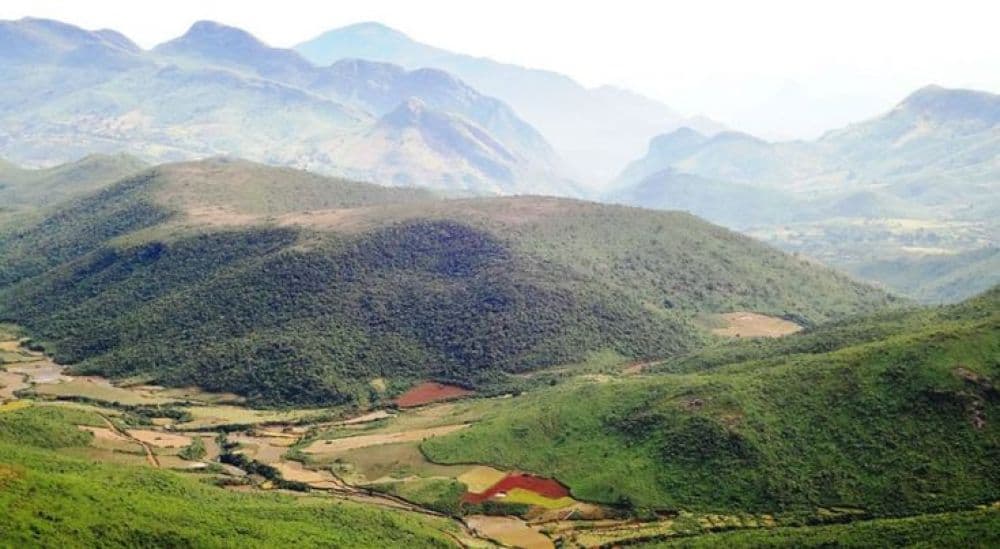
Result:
[
  {"x": 979, "y": 528},
  {"x": 440, "y": 494},
  {"x": 56, "y": 500},
  {"x": 886, "y": 425}
]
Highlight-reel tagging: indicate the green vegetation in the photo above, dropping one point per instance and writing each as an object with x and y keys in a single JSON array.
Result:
[
  {"x": 962, "y": 529},
  {"x": 440, "y": 494},
  {"x": 47, "y": 427},
  {"x": 53, "y": 500},
  {"x": 137, "y": 281},
  {"x": 195, "y": 451},
  {"x": 25, "y": 189},
  {"x": 894, "y": 423}
]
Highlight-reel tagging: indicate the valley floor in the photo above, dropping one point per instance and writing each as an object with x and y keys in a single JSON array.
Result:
[{"x": 375, "y": 459}]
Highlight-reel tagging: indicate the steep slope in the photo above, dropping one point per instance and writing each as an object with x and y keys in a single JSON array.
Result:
[
  {"x": 377, "y": 88},
  {"x": 596, "y": 131},
  {"x": 663, "y": 151},
  {"x": 21, "y": 188},
  {"x": 188, "y": 273},
  {"x": 852, "y": 415},
  {"x": 218, "y": 90}
]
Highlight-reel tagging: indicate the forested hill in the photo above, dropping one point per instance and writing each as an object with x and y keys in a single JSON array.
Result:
[{"x": 290, "y": 287}]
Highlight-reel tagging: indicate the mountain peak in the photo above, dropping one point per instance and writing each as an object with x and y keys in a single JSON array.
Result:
[
  {"x": 372, "y": 29},
  {"x": 210, "y": 36},
  {"x": 683, "y": 137},
  {"x": 942, "y": 103}
]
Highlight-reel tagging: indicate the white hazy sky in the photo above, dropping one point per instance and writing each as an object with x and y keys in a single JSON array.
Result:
[{"x": 779, "y": 68}]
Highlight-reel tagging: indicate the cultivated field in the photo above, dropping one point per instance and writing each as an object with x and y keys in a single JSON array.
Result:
[
  {"x": 365, "y": 441},
  {"x": 429, "y": 392},
  {"x": 746, "y": 324}
]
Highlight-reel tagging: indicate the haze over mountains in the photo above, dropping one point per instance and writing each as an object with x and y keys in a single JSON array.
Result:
[
  {"x": 369, "y": 103},
  {"x": 922, "y": 178},
  {"x": 218, "y": 90},
  {"x": 482, "y": 317},
  {"x": 595, "y": 130}
]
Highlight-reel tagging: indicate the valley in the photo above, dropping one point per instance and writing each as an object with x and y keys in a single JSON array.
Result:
[
  {"x": 412, "y": 455},
  {"x": 365, "y": 291}
]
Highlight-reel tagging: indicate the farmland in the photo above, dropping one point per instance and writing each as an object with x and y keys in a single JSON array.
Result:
[{"x": 542, "y": 468}]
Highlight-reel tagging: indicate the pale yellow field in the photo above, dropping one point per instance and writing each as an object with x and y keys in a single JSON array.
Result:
[
  {"x": 746, "y": 324},
  {"x": 293, "y": 470},
  {"x": 264, "y": 449},
  {"x": 479, "y": 478},
  {"x": 366, "y": 418},
  {"x": 211, "y": 416},
  {"x": 520, "y": 495},
  {"x": 97, "y": 389},
  {"x": 160, "y": 439},
  {"x": 108, "y": 439},
  {"x": 39, "y": 372},
  {"x": 364, "y": 441},
  {"x": 9, "y": 384},
  {"x": 509, "y": 531},
  {"x": 14, "y": 405}
]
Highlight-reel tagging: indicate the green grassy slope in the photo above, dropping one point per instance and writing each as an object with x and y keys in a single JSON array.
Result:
[
  {"x": 979, "y": 528},
  {"x": 23, "y": 188},
  {"x": 900, "y": 423},
  {"x": 190, "y": 272},
  {"x": 54, "y": 500}
]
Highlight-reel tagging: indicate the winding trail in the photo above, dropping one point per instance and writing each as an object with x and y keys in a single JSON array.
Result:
[{"x": 150, "y": 456}]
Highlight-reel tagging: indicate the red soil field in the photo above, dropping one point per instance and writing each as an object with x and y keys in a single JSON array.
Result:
[
  {"x": 541, "y": 486},
  {"x": 430, "y": 391}
]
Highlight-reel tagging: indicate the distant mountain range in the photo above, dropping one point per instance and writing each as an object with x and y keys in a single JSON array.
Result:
[
  {"x": 595, "y": 130},
  {"x": 932, "y": 162},
  {"x": 218, "y": 90}
]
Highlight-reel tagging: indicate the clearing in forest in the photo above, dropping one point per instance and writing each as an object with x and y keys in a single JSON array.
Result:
[
  {"x": 431, "y": 391},
  {"x": 746, "y": 324}
]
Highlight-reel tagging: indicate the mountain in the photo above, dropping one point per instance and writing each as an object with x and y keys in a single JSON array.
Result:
[
  {"x": 922, "y": 178},
  {"x": 595, "y": 130},
  {"x": 218, "y": 90},
  {"x": 733, "y": 205},
  {"x": 848, "y": 417},
  {"x": 187, "y": 273},
  {"x": 934, "y": 134},
  {"x": 936, "y": 278},
  {"x": 23, "y": 188},
  {"x": 30, "y": 41}
]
